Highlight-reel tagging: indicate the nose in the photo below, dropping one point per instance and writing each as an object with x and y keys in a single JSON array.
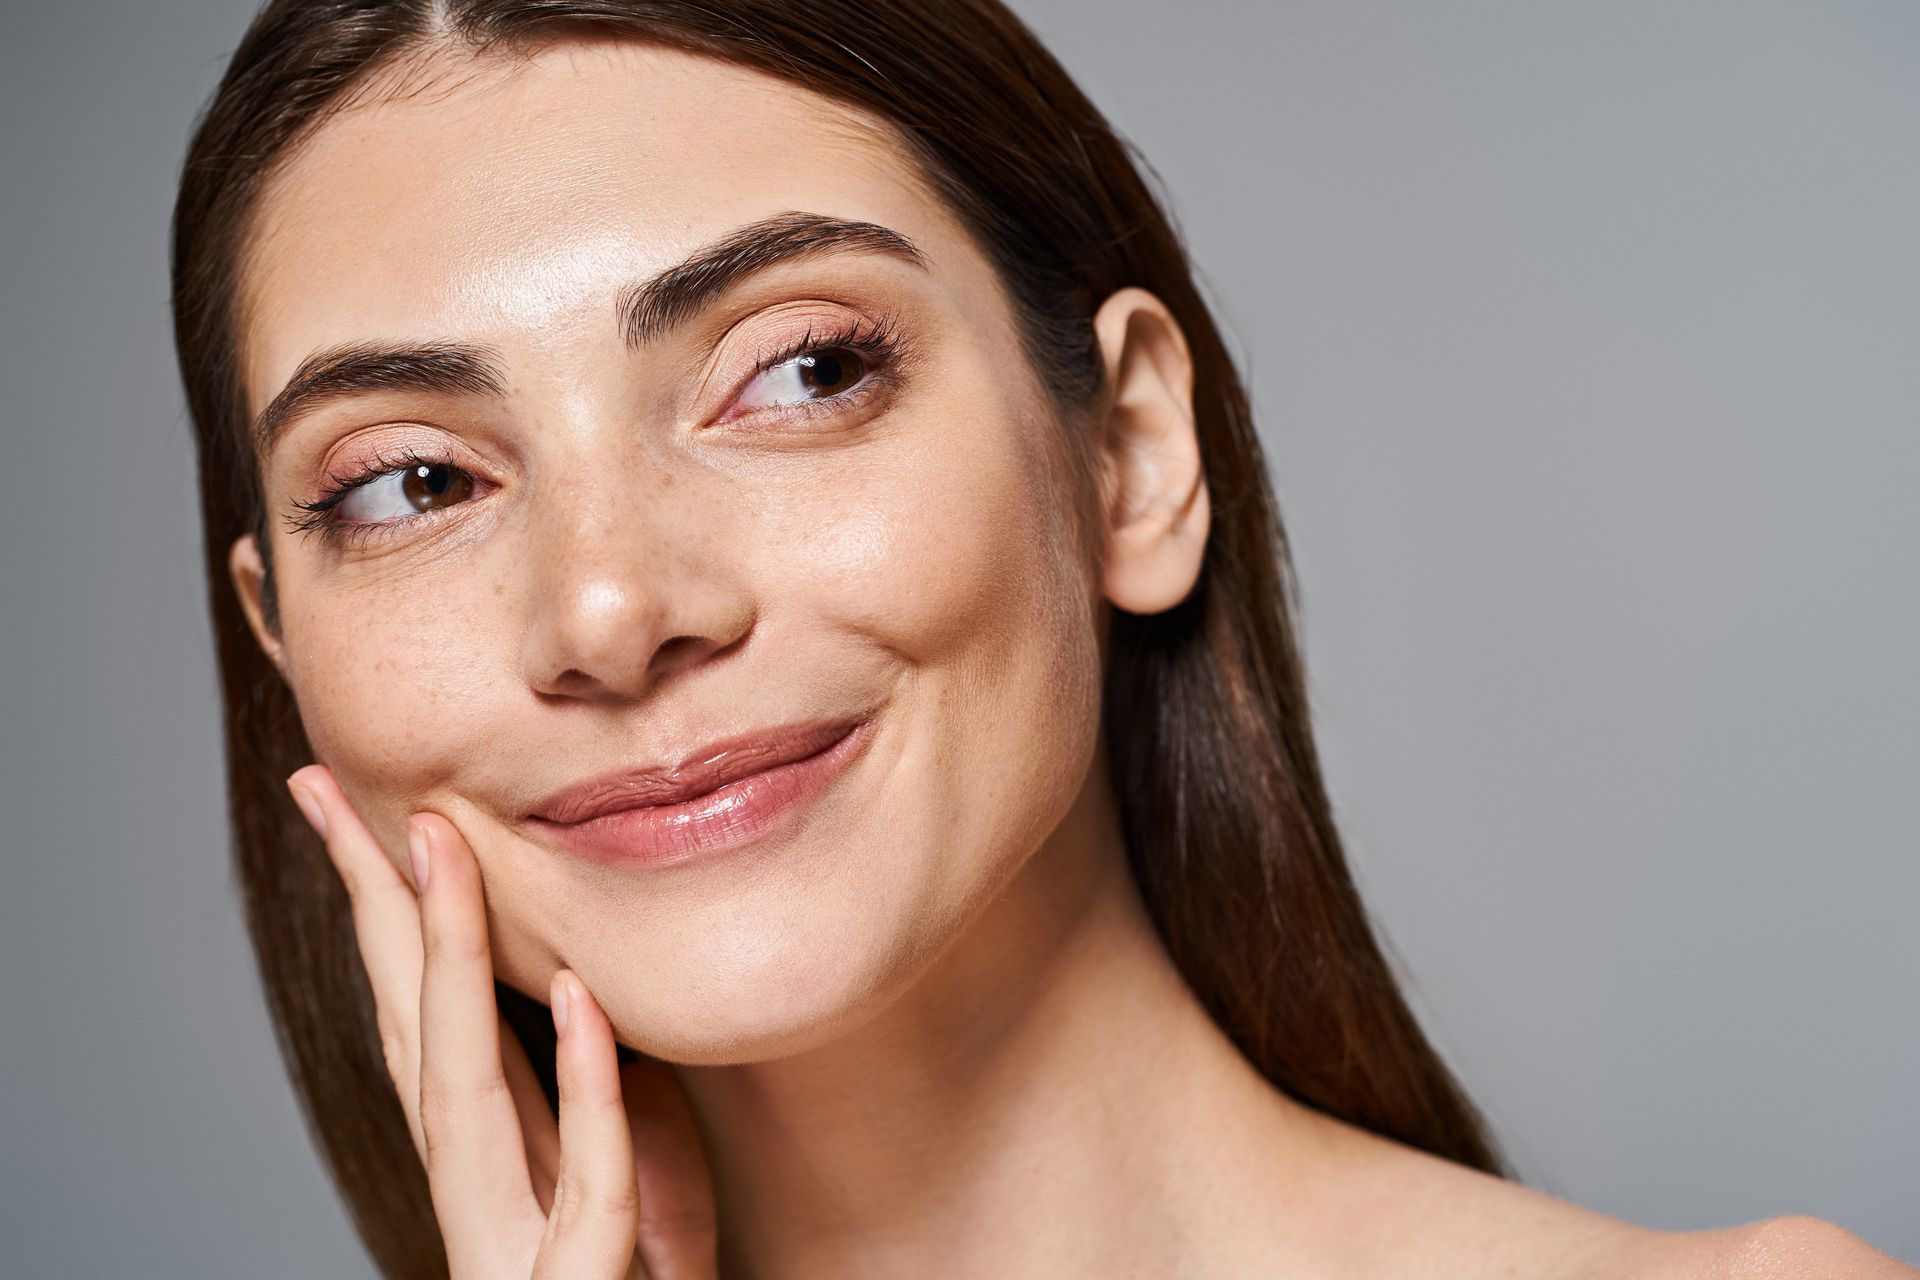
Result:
[{"x": 626, "y": 591}]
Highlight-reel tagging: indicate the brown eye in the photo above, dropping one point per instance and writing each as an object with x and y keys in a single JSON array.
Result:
[
  {"x": 404, "y": 492},
  {"x": 819, "y": 373},
  {"x": 434, "y": 484},
  {"x": 830, "y": 372}
]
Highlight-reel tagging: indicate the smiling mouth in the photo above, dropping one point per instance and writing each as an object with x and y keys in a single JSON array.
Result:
[{"x": 725, "y": 796}]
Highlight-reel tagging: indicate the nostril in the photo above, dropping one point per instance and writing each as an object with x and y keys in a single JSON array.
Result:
[
  {"x": 572, "y": 682},
  {"x": 677, "y": 651},
  {"x": 668, "y": 657},
  {"x": 623, "y": 654},
  {"x": 674, "y": 648}
]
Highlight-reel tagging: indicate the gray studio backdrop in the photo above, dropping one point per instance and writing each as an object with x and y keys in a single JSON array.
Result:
[{"x": 1586, "y": 341}]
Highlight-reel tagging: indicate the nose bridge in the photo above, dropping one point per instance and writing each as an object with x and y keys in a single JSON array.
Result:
[{"x": 618, "y": 595}]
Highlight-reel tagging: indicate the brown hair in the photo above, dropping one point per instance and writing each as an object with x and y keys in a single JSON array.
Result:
[{"x": 1226, "y": 818}]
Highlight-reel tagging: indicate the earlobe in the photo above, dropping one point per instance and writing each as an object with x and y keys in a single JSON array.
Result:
[
  {"x": 249, "y": 572},
  {"x": 1155, "y": 486}
]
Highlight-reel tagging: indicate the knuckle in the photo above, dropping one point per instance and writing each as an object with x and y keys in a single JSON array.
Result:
[
  {"x": 568, "y": 1206},
  {"x": 616, "y": 1198},
  {"x": 437, "y": 1116},
  {"x": 456, "y": 942},
  {"x": 444, "y": 1099},
  {"x": 578, "y": 1199}
]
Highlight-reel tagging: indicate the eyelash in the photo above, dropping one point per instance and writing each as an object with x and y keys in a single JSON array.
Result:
[
  {"x": 317, "y": 515},
  {"x": 879, "y": 344}
]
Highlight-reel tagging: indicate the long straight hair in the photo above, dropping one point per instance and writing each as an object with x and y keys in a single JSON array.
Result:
[{"x": 1225, "y": 815}]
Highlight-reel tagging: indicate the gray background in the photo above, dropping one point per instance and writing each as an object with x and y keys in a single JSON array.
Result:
[{"x": 1587, "y": 342}]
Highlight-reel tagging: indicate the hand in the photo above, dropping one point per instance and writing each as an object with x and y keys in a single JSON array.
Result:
[{"x": 618, "y": 1188}]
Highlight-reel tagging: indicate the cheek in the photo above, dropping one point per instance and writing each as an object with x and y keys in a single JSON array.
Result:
[
  {"x": 947, "y": 544},
  {"x": 392, "y": 684},
  {"x": 954, "y": 558},
  {"x": 940, "y": 559}
]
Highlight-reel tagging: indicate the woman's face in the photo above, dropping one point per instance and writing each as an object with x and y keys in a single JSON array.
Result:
[{"x": 603, "y": 536}]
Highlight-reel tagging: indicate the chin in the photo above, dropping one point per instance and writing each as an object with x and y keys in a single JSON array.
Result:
[{"x": 756, "y": 1004}]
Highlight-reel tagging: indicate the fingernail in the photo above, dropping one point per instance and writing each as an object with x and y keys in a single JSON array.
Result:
[
  {"x": 310, "y": 807},
  {"x": 560, "y": 1009},
  {"x": 417, "y": 855}
]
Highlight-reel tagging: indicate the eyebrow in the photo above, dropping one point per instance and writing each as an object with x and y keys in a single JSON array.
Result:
[
  {"x": 339, "y": 372},
  {"x": 674, "y": 296},
  {"x": 645, "y": 312}
]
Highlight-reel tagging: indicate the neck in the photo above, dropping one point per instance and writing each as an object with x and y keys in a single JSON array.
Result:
[{"x": 1048, "y": 1098}]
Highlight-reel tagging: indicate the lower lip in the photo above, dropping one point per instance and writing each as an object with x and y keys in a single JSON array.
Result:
[{"x": 725, "y": 818}]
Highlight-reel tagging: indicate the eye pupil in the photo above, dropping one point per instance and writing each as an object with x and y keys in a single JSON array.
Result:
[
  {"x": 830, "y": 371},
  {"x": 428, "y": 485}
]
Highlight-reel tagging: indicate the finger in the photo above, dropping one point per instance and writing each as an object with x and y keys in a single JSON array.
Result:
[
  {"x": 476, "y": 1157},
  {"x": 536, "y": 1117},
  {"x": 678, "y": 1230},
  {"x": 386, "y": 924},
  {"x": 596, "y": 1202}
]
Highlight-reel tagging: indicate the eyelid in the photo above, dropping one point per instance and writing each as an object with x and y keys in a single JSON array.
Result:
[
  {"x": 393, "y": 441},
  {"x": 879, "y": 338},
  {"x": 422, "y": 446}
]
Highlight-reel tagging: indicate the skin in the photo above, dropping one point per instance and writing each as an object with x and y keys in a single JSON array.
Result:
[{"x": 926, "y": 1030}]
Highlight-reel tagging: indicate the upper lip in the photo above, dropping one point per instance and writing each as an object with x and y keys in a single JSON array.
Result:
[{"x": 706, "y": 769}]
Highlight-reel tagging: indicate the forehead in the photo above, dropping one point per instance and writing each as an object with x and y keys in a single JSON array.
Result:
[{"x": 494, "y": 199}]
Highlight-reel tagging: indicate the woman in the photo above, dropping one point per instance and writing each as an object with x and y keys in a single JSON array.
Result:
[{"x": 762, "y": 538}]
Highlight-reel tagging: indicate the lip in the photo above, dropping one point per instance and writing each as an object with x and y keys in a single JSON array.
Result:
[{"x": 725, "y": 795}]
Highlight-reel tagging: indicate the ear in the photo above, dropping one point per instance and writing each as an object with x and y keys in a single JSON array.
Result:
[
  {"x": 1153, "y": 486},
  {"x": 249, "y": 573}
]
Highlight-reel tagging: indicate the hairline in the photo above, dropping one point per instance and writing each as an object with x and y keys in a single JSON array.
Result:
[{"x": 391, "y": 78}]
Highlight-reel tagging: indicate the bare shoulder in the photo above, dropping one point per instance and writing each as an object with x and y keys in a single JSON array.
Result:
[
  {"x": 1492, "y": 1227},
  {"x": 1796, "y": 1247},
  {"x": 1575, "y": 1244},
  {"x": 1405, "y": 1213}
]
